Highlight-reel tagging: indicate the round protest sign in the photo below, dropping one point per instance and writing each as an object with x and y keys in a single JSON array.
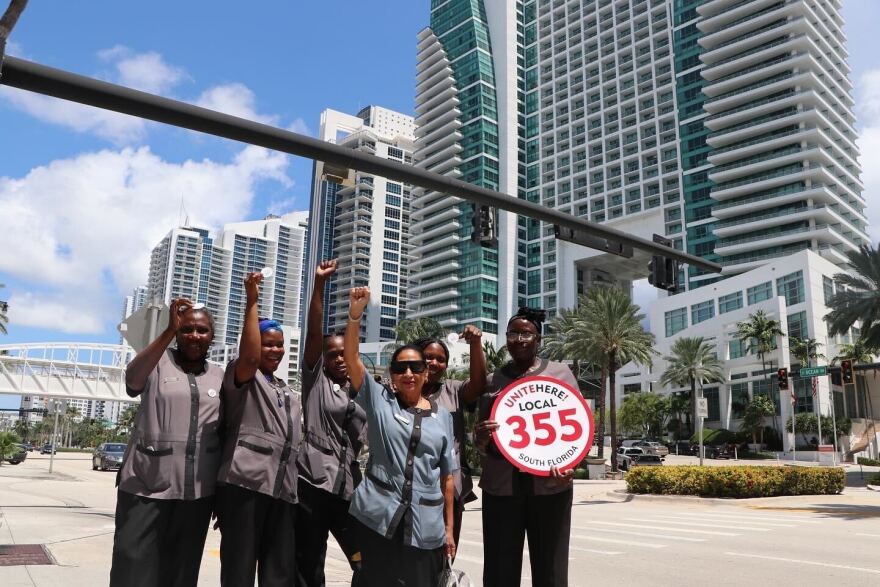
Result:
[{"x": 542, "y": 423}]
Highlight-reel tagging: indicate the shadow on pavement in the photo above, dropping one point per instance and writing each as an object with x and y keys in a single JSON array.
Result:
[{"x": 841, "y": 511}]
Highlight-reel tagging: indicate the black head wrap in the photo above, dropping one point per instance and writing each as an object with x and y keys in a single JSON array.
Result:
[{"x": 536, "y": 316}]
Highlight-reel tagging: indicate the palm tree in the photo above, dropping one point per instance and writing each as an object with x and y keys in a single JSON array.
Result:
[
  {"x": 858, "y": 296},
  {"x": 8, "y": 442},
  {"x": 23, "y": 429},
  {"x": 408, "y": 331},
  {"x": 760, "y": 332},
  {"x": 568, "y": 339},
  {"x": 679, "y": 406},
  {"x": 693, "y": 360},
  {"x": 4, "y": 319},
  {"x": 804, "y": 350},
  {"x": 859, "y": 351},
  {"x": 618, "y": 337},
  {"x": 495, "y": 358}
]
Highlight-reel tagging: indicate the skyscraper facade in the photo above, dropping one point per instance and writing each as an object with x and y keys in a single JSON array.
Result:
[{"x": 363, "y": 220}]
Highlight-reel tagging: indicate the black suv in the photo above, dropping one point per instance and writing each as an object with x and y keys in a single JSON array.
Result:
[{"x": 108, "y": 456}]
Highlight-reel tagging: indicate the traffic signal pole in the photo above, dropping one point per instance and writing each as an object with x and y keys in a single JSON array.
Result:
[{"x": 33, "y": 77}]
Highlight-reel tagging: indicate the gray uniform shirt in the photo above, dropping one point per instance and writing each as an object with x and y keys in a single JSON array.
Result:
[
  {"x": 410, "y": 449},
  {"x": 450, "y": 396},
  {"x": 262, "y": 436},
  {"x": 174, "y": 449},
  {"x": 334, "y": 433},
  {"x": 498, "y": 476}
]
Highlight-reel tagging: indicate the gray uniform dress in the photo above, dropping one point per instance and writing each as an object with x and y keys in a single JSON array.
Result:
[
  {"x": 167, "y": 478},
  {"x": 450, "y": 396},
  {"x": 516, "y": 504}
]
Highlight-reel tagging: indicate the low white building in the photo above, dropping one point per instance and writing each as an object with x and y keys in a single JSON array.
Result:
[{"x": 793, "y": 290}]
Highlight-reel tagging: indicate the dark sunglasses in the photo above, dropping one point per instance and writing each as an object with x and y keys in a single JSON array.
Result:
[{"x": 400, "y": 367}]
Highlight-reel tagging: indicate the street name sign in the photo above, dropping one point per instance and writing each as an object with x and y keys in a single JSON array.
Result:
[
  {"x": 542, "y": 423},
  {"x": 813, "y": 371}
]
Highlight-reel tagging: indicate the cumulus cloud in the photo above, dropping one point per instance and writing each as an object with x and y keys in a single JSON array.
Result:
[
  {"x": 868, "y": 111},
  {"x": 235, "y": 99},
  {"x": 83, "y": 228}
]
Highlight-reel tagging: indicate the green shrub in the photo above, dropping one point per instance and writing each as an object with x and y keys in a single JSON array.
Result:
[
  {"x": 868, "y": 462},
  {"x": 875, "y": 480},
  {"x": 714, "y": 436},
  {"x": 736, "y": 481}
]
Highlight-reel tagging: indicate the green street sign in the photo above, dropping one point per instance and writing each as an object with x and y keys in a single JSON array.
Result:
[{"x": 813, "y": 371}]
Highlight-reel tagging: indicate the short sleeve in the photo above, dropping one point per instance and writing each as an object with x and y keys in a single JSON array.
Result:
[
  {"x": 448, "y": 462},
  {"x": 369, "y": 388},
  {"x": 310, "y": 376},
  {"x": 151, "y": 382}
]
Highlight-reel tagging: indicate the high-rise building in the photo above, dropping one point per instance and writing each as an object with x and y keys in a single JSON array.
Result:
[
  {"x": 210, "y": 269},
  {"x": 724, "y": 126},
  {"x": 363, "y": 220}
]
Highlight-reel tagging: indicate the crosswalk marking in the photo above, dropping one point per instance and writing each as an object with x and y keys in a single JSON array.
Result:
[
  {"x": 642, "y": 534},
  {"x": 756, "y": 517},
  {"x": 615, "y": 541},
  {"x": 804, "y": 562},
  {"x": 749, "y": 520},
  {"x": 687, "y": 530},
  {"x": 868, "y": 535},
  {"x": 674, "y": 520}
]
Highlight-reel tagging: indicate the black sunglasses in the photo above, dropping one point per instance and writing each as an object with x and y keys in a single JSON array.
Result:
[{"x": 400, "y": 367}]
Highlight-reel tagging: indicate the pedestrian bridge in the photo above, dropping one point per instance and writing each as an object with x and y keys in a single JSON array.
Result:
[{"x": 65, "y": 370}]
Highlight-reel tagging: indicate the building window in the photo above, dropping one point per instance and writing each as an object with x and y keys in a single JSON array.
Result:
[
  {"x": 738, "y": 348},
  {"x": 739, "y": 399},
  {"x": 759, "y": 293},
  {"x": 803, "y": 389},
  {"x": 711, "y": 394},
  {"x": 797, "y": 326},
  {"x": 827, "y": 288},
  {"x": 768, "y": 388},
  {"x": 676, "y": 321},
  {"x": 702, "y": 311},
  {"x": 392, "y": 200},
  {"x": 730, "y": 302},
  {"x": 394, "y": 188},
  {"x": 632, "y": 388},
  {"x": 791, "y": 286}
]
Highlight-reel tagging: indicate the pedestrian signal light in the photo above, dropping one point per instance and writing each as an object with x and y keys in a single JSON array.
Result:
[
  {"x": 846, "y": 371},
  {"x": 782, "y": 376}
]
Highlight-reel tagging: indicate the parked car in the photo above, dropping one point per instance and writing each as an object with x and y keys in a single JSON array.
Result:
[
  {"x": 108, "y": 456},
  {"x": 714, "y": 451},
  {"x": 652, "y": 448},
  {"x": 48, "y": 449},
  {"x": 18, "y": 456},
  {"x": 632, "y": 456}
]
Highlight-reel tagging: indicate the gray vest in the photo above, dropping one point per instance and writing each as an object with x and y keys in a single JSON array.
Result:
[
  {"x": 262, "y": 436},
  {"x": 335, "y": 430},
  {"x": 174, "y": 450}
]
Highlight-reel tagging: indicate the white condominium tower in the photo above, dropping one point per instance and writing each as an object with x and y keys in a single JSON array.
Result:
[
  {"x": 724, "y": 126},
  {"x": 190, "y": 262},
  {"x": 363, "y": 221}
]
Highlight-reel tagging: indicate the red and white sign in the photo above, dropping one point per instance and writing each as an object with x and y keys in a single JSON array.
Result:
[{"x": 542, "y": 423}]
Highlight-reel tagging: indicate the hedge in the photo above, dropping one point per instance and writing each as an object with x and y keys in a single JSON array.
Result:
[
  {"x": 868, "y": 462},
  {"x": 736, "y": 481},
  {"x": 875, "y": 480}
]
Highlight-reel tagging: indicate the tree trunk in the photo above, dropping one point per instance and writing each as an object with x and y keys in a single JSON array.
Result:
[
  {"x": 612, "y": 412},
  {"x": 600, "y": 408}
]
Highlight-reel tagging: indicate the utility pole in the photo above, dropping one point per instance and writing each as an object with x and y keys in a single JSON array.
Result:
[{"x": 52, "y": 446}]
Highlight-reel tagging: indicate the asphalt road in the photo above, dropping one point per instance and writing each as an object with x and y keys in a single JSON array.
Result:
[{"x": 616, "y": 540}]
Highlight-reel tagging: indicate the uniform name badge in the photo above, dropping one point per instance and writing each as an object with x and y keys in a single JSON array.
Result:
[{"x": 542, "y": 423}]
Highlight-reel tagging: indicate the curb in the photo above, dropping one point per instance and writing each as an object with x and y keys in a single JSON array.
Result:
[{"x": 714, "y": 501}]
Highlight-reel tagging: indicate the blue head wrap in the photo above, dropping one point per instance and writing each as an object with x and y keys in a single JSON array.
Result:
[{"x": 269, "y": 324}]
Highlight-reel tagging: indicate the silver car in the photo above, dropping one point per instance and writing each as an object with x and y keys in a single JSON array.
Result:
[
  {"x": 653, "y": 448},
  {"x": 629, "y": 457}
]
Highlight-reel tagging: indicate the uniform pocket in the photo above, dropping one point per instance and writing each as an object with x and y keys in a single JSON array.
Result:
[
  {"x": 254, "y": 464},
  {"x": 153, "y": 465},
  {"x": 314, "y": 469},
  {"x": 429, "y": 519}
]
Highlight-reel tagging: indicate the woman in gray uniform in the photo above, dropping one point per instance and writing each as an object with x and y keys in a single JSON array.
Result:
[
  {"x": 256, "y": 498},
  {"x": 334, "y": 434},
  {"x": 404, "y": 505},
  {"x": 456, "y": 397},
  {"x": 166, "y": 482},
  {"x": 516, "y": 504}
]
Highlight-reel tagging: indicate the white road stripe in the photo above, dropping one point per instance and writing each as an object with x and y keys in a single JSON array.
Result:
[
  {"x": 661, "y": 528},
  {"x": 804, "y": 562},
  {"x": 594, "y": 551},
  {"x": 673, "y": 520},
  {"x": 868, "y": 535},
  {"x": 613, "y": 541},
  {"x": 747, "y": 519},
  {"x": 755, "y": 515},
  {"x": 642, "y": 534}
]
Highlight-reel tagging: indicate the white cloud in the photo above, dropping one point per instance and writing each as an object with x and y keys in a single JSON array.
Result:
[
  {"x": 868, "y": 110},
  {"x": 83, "y": 228},
  {"x": 143, "y": 71},
  {"x": 299, "y": 126},
  {"x": 235, "y": 99}
]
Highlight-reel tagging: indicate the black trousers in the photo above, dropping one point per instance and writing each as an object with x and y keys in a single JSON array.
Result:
[
  {"x": 257, "y": 538},
  {"x": 158, "y": 542},
  {"x": 545, "y": 519},
  {"x": 391, "y": 563},
  {"x": 320, "y": 513}
]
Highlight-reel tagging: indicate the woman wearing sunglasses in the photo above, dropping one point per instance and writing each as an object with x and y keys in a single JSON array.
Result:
[
  {"x": 456, "y": 397},
  {"x": 518, "y": 504},
  {"x": 404, "y": 505},
  {"x": 166, "y": 483},
  {"x": 256, "y": 498}
]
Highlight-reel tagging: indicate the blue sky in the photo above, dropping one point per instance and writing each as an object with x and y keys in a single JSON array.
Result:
[{"x": 85, "y": 194}]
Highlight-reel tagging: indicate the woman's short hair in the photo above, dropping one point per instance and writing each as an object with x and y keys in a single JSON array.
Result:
[
  {"x": 427, "y": 341},
  {"x": 405, "y": 347}
]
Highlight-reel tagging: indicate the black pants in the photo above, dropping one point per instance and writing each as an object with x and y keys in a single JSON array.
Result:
[
  {"x": 257, "y": 538},
  {"x": 158, "y": 542},
  {"x": 320, "y": 513},
  {"x": 391, "y": 563},
  {"x": 546, "y": 519}
]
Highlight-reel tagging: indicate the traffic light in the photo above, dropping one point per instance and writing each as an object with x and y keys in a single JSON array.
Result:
[
  {"x": 663, "y": 271},
  {"x": 483, "y": 224},
  {"x": 782, "y": 376},
  {"x": 846, "y": 371}
]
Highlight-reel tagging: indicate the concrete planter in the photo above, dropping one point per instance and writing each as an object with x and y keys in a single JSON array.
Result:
[{"x": 595, "y": 468}]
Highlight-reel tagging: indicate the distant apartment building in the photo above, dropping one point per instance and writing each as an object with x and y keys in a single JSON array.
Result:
[{"x": 363, "y": 220}]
